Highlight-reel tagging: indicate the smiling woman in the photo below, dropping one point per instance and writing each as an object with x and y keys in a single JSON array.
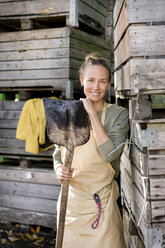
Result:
[{"x": 92, "y": 217}]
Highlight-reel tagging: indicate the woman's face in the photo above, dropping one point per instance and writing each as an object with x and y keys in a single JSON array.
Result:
[{"x": 95, "y": 82}]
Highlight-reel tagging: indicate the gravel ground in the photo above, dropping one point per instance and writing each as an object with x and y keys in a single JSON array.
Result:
[{"x": 13, "y": 237}]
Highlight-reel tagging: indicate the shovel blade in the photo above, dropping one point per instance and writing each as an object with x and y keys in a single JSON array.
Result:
[{"x": 67, "y": 122}]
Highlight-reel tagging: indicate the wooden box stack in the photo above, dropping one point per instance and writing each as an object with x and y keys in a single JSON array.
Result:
[
  {"x": 42, "y": 45},
  {"x": 139, "y": 35}
]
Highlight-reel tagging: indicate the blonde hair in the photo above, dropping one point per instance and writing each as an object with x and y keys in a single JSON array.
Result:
[{"x": 94, "y": 59}]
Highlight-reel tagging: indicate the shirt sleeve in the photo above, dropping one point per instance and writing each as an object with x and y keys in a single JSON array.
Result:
[
  {"x": 57, "y": 157},
  {"x": 117, "y": 127}
]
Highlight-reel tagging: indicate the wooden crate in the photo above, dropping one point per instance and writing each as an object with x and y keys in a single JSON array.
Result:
[
  {"x": 48, "y": 58},
  {"x": 143, "y": 180},
  {"x": 11, "y": 147},
  {"x": 42, "y": 14},
  {"x": 139, "y": 46},
  {"x": 28, "y": 185},
  {"x": 28, "y": 196}
]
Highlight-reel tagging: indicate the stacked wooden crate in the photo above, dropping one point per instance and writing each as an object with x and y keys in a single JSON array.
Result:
[
  {"x": 42, "y": 45},
  {"x": 139, "y": 35}
]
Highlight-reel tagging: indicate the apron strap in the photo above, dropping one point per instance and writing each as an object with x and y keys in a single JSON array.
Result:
[{"x": 104, "y": 113}]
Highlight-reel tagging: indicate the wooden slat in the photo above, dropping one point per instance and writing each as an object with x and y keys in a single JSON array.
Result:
[
  {"x": 94, "y": 5},
  {"x": 35, "y": 34},
  {"x": 139, "y": 179},
  {"x": 40, "y": 7},
  {"x": 157, "y": 186},
  {"x": 57, "y": 84},
  {"x": 103, "y": 2},
  {"x": 30, "y": 190},
  {"x": 7, "y": 133},
  {"x": 27, "y": 217},
  {"x": 116, "y": 11},
  {"x": 28, "y": 175},
  {"x": 151, "y": 188},
  {"x": 34, "y": 64},
  {"x": 90, "y": 12},
  {"x": 34, "y": 44},
  {"x": 88, "y": 38},
  {"x": 34, "y": 74},
  {"x": 87, "y": 47},
  {"x": 134, "y": 43},
  {"x": 16, "y": 152},
  {"x": 138, "y": 205},
  {"x": 8, "y": 115},
  {"x": 11, "y": 105},
  {"x": 28, "y": 203},
  {"x": 156, "y": 164},
  {"x": 10, "y": 124},
  {"x": 137, "y": 75},
  {"x": 134, "y": 240},
  {"x": 35, "y": 54},
  {"x": 158, "y": 214},
  {"x": 137, "y": 12}
]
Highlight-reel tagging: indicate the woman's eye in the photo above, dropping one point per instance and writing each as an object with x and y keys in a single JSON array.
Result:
[{"x": 103, "y": 82}]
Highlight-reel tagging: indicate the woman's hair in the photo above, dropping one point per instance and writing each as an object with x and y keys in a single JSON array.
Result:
[{"x": 94, "y": 59}]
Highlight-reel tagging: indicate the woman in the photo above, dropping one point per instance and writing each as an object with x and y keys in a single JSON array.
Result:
[{"x": 93, "y": 219}]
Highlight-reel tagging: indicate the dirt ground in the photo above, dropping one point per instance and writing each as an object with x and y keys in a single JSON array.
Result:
[{"x": 12, "y": 236}]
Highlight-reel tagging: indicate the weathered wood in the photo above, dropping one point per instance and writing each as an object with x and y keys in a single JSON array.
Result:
[
  {"x": 117, "y": 10},
  {"x": 150, "y": 188},
  {"x": 27, "y": 217},
  {"x": 16, "y": 152},
  {"x": 141, "y": 181},
  {"x": 134, "y": 43},
  {"x": 28, "y": 203},
  {"x": 152, "y": 165},
  {"x": 157, "y": 186},
  {"x": 140, "y": 109},
  {"x": 59, "y": 11},
  {"x": 158, "y": 211},
  {"x": 35, "y": 34},
  {"x": 152, "y": 136},
  {"x": 90, "y": 12},
  {"x": 35, "y": 54},
  {"x": 137, "y": 12},
  {"x": 138, "y": 205},
  {"x": 40, "y": 58},
  {"x": 28, "y": 175},
  {"x": 134, "y": 240},
  {"x": 30, "y": 189},
  {"x": 33, "y": 7},
  {"x": 35, "y": 64},
  {"x": 138, "y": 75}
]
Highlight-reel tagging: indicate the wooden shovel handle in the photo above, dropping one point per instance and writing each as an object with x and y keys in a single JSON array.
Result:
[{"x": 63, "y": 204}]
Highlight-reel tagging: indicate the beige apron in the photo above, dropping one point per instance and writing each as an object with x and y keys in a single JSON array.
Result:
[{"x": 92, "y": 175}]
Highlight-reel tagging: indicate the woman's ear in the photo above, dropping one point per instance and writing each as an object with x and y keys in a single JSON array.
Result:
[{"x": 81, "y": 81}]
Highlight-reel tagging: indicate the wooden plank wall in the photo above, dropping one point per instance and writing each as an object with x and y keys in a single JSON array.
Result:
[
  {"x": 90, "y": 13},
  {"x": 49, "y": 57},
  {"x": 28, "y": 196},
  {"x": 134, "y": 35},
  {"x": 139, "y": 83},
  {"x": 10, "y": 146}
]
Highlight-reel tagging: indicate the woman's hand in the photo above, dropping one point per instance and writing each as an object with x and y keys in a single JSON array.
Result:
[
  {"x": 88, "y": 105},
  {"x": 63, "y": 174}
]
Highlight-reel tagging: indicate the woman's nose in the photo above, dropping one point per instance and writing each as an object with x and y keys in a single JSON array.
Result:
[{"x": 96, "y": 85}]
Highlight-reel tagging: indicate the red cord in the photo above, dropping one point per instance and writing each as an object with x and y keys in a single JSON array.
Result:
[{"x": 96, "y": 222}]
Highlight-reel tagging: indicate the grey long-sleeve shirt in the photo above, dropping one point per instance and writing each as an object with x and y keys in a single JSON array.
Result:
[{"x": 116, "y": 125}]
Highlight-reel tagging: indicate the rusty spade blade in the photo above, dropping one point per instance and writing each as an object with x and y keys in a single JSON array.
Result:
[{"x": 67, "y": 125}]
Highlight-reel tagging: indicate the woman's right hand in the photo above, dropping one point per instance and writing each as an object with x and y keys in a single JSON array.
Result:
[{"x": 63, "y": 174}]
